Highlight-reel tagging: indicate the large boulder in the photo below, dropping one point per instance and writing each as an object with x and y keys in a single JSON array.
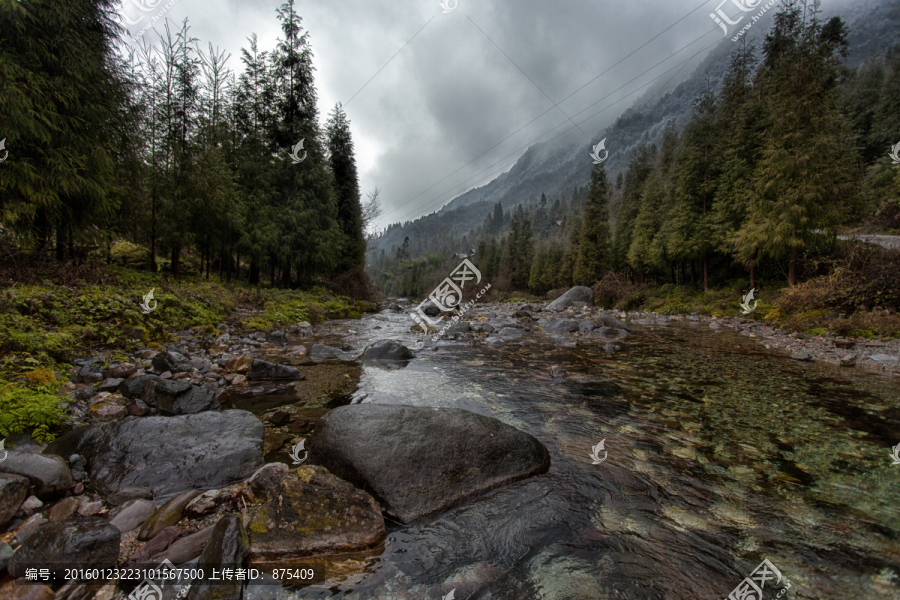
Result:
[
  {"x": 182, "y": 398},
  {"x": 418, "y": 460},
  {"x": 168, "y": 455},
  {"x": 579, "y": 293},
  {"x": 431, "y": 309},
  {"x": 261, "y": 369},
  {"x": 390, "y": 350},
  {"x": 48, "y": 474},
  {"x": 132, "y": 387},
  {"x": 86, "y": 541},
  {"x": 613, "y": 323},
  {"x": 173, "y": 361},
  {"x": 309, "y": 512},
  {"x": 13, "y": 491}
]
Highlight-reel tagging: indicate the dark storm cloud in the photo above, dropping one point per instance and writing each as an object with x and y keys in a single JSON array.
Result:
[{"x": 451, "y": 94}]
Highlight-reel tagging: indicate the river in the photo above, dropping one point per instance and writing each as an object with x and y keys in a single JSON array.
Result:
[{"x": 719, "y": 454}]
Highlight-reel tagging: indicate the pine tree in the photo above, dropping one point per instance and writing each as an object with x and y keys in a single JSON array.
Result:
[
  {"x": 346, "y": 184},
  {"x": 594, "y": 247}
]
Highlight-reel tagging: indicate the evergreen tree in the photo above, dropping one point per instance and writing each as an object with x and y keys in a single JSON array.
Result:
[
  {"x": 346, "y": 184},
  {"x": 594, "y": 247}
]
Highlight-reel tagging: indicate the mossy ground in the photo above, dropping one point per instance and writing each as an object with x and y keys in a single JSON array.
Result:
[{"x": 48, "y": 321}]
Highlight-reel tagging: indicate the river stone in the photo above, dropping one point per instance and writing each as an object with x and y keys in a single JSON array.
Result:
[
  {"x": 228, "y": 547},
  {"x": 186, "y": 548},
  {"x": 13, "y": 491},
  {"x": 157, "y": 545},
  {"x": 172, "y": 361},
  {"x": 579, "y": 293},
  {"x": 613, "y": 322},
  {"x": 6, "y": 553},
  {"x": 132, "y": 388},
  {"x": 132, "y": 515},
  {"x": 323, "y": 351},
  {"x": 14, "y": 590},
  {"x": 29, "y": 526},
  {"x": 87, "y": 541},
  {"x": 261, "y": 369},
  {"x": 168, "y": 455},
  {"x": 48, "y": 473},
  {"x": 64, "y": 509},
  {"x": 182, "y": 398},
  {"x": 417, "y": 461},
  {"x": 386, "y": 350},
  {"x": 31, "y": 504},
  {"x": 511, "y": 333},
  {"x": 311, "y": 512},
  {"x": 561, "y": 326},
  {"x": 431, "y": 309},
  {"x": 110, "y": 384},
  {"x": 168, "y": 514},
  {"x": 126, "y": 493},
  {"x": 122, "y": 371}
]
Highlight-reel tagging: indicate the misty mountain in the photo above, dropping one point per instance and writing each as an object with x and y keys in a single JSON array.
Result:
[{"x": 556, "y": 167}]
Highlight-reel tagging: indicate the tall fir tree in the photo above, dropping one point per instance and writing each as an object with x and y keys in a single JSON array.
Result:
[
  {"x": 594, "y": 248},
  {"x": 346, "y": 188}
]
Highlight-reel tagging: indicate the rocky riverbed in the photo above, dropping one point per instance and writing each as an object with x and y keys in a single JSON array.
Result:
[{"x": 258, "y": 449}]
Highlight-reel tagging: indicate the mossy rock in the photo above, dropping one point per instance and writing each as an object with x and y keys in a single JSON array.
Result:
[{"x": 38, "y": 377}]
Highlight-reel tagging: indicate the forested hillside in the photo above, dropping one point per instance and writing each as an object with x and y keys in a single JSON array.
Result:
[{"x": 760, "y": 180}]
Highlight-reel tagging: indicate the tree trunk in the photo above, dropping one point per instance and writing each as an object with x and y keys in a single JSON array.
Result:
[
  {"x": 61, "y": 241},
  {"x": 791, "y": 268},
  {"x": 237, "y": 265},
  {"x": 286, "y": 277},
  {"x": 221, "y": 259},
  {"x": 672, "y": 272},
  {"x": 71, "y": 243},
  {"x": 683, "y": 275},
  {"x": 752, "y": 276},
  {"x": 152, "y": 264},
  {"x": 272, "y": 274},
  {"x": 693, "y": 276},
  {"x": 705, "y": 275},
  {"x": 253, "y": 276},
  {"x": 208, "y": 258},
  {"x": 176, "y": 258}
]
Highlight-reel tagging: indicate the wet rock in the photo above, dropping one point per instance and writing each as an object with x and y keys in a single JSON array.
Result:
[
  {"x": 261, "y": 369},
  {"x": 31, "y": 505},
  {"x": 14, "y": 590},
  {"x": 6, "y": 553},
  {"x": 228, "y": 547},
  {"x": 131, "y": 515},
  {"x": 203, "y": 504},
  {"x": 89, "y": 509},
  {"x": 182, "y": 398},
  {"x": 239, "y": 364},
  {"x": 13, "y": 491},
  {"x": 200, "y": 451},
  {"x": 90, "y": 374},
  {"x": 386, "y": 350},
  {"x": 610, "y": 347},
  {"x": 133, "y": 387},
  {"x": 109, "y": 385},
  {"x": 137, "y": 407},
  {"x": 459, "y": 328},
  {"x": 804, "y": 356},
  {"x": 323, "y": 351},
  {"x": 277, "y": 337},
  {"x": 89, "y": 541},
  {"x": 186, "y": 548},
  {"x": 302, "y": 329},
  {"x": 106, "y": 410},
  {"x": 578, "y": 293},
  {"x": 122, "y": 371},
  {"x": 561, "y": 326},
  {"x": 310, "y": 511},
  {"x": 394, "y": 307},
  {"x": 127, "y": 493},
  {"x": 47, "y": 473},
  {"x": 155, "y": 546},
  {"x": 168, "y": 514},
  {"x": 487, "y": 328},
  {"x": 172, "y": 361},
  {"x": 63, "y": 509},
  {"x": 431, "y": 309},
  {"x": 437, "y": 459},
  {"x": 511, "y": 333},
  {"x": 882, "y": 357},
  {"x": 613, "y": 323},
  {"x": 76, "y": 465},
  {"x": 29, "y": 527}
]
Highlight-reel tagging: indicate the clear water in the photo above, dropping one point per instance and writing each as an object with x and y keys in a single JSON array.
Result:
[{"x": 720, "y": 454}]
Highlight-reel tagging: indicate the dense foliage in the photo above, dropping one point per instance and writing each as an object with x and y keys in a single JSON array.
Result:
[{"x": 166, "y": 148}]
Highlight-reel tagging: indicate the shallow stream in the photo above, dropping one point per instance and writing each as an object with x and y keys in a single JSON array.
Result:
[{"x": 719, "y": 454}]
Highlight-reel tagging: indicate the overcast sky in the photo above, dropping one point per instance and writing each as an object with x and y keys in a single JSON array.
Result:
[{"x": 450, "y": 94}]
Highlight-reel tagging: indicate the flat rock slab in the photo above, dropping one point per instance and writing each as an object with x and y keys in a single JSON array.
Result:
[
  {"x": 168, "y": 455},
  {"x": 48, "y": 474},
  {"x": 418, "y": 461},
  {"x": 81, "y": 541},
  {"x": 311, "y": 512}
]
